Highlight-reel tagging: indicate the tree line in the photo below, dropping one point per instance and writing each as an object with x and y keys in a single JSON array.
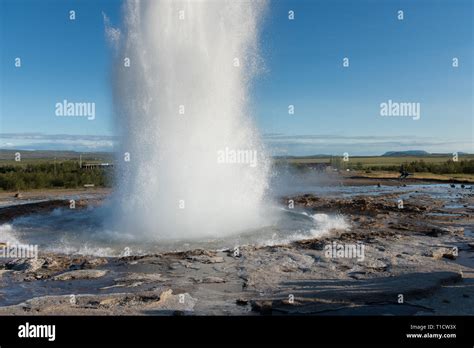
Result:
[
  {"x": 448, "y": 167},
  {"x": 66, "y": 174}
]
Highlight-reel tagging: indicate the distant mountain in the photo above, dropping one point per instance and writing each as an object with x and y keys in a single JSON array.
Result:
[{"x": 405, "y": 153}]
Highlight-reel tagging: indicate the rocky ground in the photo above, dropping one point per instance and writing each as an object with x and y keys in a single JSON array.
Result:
[{"x": 418, "y": 259}]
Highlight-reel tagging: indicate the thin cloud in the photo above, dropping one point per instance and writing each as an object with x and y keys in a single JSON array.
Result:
[
  {"x": 39, "y": 141},
  {"x": 277, "y": 143},
  {"x": 304, "y": 144}
]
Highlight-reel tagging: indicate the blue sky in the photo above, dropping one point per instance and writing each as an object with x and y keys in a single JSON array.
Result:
[{"x": 336, "y": 109}]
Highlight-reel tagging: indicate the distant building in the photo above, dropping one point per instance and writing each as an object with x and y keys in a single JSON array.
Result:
[{"x": 96, "y": 165}]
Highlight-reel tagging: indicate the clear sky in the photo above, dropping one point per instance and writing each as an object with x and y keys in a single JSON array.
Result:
[{"x": 337, "y": 109}]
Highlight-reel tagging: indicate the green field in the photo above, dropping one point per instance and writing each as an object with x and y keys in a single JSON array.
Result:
[
  {"x": 52, "y": 169},
  {"x": 370, "y": 161}
]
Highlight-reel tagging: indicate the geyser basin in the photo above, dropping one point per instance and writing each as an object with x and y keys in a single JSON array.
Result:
[
  {"x": 191, "y": 163},
  {"x": 82, "y": 232}
]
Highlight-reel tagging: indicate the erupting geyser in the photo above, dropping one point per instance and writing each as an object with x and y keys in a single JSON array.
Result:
[{"x": 196, "y": 165}]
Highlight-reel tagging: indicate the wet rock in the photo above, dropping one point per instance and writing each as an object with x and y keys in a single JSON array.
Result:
[
  {"x": 213, "y": 280},
  {"x": 305, "y": 200},
  {"x": 48, "y": 264},
  {"x": 144, "y": 277},
  {"x": 83, "y": 263},
  {"x": 207, "y": 259},
  {"x": 109, "y": 302},
  {"x": 437, "y": 231},
  {"x": 242, "y": 302},
  {"x": 133, "y": 280},
  {"x": 357, "y": 272},
  {"x": 100, "y": 261},
  {"x": 262, "y": 306},
  {"x": 209, "y": 280},
  {"x": 80, "y": 274},
  {"x": 200, "y": 255},
  {"x": 189, "y": 265},
  {"x": 3, "y": 271},
  {"x": 400, "y": 226},
  {"x": 377, "y": 265},
  {"x": 357, "y": 275},
  {"x": 448, "y": 253},
  {"x": 175, "y": 266},
  {"x": 179, "y": 302},
  {"x": 26, "y": 265}
]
